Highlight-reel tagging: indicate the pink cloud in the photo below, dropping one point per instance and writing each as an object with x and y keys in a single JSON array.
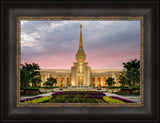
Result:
[{"x": 65, "y": 61}]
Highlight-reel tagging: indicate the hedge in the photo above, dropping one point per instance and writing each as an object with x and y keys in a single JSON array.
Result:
[
  {"x": 39, "y": 100},
  {"x": 110, "y": 100},
  {"x": 49, "y": 87}
]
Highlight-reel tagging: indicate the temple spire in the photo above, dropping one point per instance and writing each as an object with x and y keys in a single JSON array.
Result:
[
  {"x": 80, "y": 52},
  {"x": 80, "y": 38}
]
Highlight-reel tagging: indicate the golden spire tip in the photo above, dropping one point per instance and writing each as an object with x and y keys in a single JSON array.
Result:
[{"x": 81, "y": 27}]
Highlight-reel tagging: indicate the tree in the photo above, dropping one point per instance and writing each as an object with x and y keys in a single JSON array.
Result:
[
  {"x": 27, "y": 73},
  {"x": 35, "y": 66},
  {"x": 122, "y": 79},
  {"x": 132, "y": 73},
  {"x": 110, "y": 81},
  {"x": 53, "y": 80},
  {"x": 29, "y": 67},
  {"x": 50, "y": 82},
  {"x": 36, "y": 80}
]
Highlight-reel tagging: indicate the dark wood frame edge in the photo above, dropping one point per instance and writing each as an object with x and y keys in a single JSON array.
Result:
[{"x": 8, "y": 115}]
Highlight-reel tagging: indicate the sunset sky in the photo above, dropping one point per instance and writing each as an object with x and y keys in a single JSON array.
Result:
[{"x": 53, "y": 44}]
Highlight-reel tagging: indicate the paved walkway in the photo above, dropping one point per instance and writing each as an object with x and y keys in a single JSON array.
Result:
[
  {"x": 26, "y": 97},
  {"x": 132, "y": 98}
]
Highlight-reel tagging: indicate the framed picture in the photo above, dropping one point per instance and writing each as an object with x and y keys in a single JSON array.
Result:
[
  {"x": 81, "y": 84},
  {"x": 64, "y": 61}
]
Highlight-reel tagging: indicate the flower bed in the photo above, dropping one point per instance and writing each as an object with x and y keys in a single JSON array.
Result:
[
  {"x": 38, "y": 99},
  {"x": 89, "y": 93},
  {"x": 126, "y": 90},
  {"x": 76, "y": 97},
  {"x": 31, "y": 92},
  {"x": 124, "y": 100},
  {"x": 111, "y": 100}
]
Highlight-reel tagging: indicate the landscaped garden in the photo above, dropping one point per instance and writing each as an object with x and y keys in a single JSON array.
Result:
[
  {"x": 77, "y": 97},
  {"x": 129, "y": 81},
  {"x": 127, "y": 92},
  {"x": 32, "y": 91}
]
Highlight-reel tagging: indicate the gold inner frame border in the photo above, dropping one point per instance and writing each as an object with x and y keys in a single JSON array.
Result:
[{"x": 60, "y": 18}]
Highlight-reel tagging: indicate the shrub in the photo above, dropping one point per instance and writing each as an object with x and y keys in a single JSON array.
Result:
[
  {"x": 111, "y": 86},
  {"x": 127, "y": 92},
  {"x": 110, "y": 100},
  {"x": 114, "y": 86},
  {"x": 99, "y": 100},
  {"x": 124, "y": 100},
  {"x": 49, "y": 87},
  {"x": 33, "y": 88},
  {"x": 133, "y": 88},
  {"x": 65, "y": 87},
  {"x": 32, "y": 92},
  {"x": 39, "y": 100},
  {"x": 77, "y": 97},
  {"x": 136, "y": 87}
]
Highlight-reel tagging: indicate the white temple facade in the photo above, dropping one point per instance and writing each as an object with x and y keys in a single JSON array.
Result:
[{"x": 80, "y": 73}]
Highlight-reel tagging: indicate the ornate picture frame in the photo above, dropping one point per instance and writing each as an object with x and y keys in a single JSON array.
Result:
[
  {"x": 147, "y": 110},
  {"x": 62, "y": 18}
]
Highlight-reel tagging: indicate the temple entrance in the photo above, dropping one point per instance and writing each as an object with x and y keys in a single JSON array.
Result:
[
  {"x": 80, "y": 81},
  {"x": 104, "y": 81},
  {"x": 57, "y": 82},
  {"x": 93, "y": 82},
  {"x": 68, "y": 82},
  {"x": 99, "y": 82},
  {"x": 62, "y": 82}
]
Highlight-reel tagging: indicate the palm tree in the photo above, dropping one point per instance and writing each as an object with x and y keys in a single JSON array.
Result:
[
  {"x": 26, "y": 76},
  {"x": 29, "y": 67},
  {"x": 110, "y": 81},
  {"x": 132, "y": 73},
  {"x": 53, "y": 80},
  {"x": 27, "y": 73},
  {"x": 50, "y": 82},
  {"x": 132, "y": 64},
  {"x": 122, "y": 79},
  {"x": 36, "y": 80},
  {"x": 35, "y": 66}
]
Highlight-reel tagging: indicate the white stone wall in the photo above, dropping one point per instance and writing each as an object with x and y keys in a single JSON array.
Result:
[{"x": 73, "y": 76}]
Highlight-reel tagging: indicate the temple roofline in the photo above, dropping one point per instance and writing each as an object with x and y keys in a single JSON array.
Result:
[
  {"x": 69, "y": 70},
  {"x": 106, "y": 69},
  {"x": 86, "y": 62},
  {"x": 92, "y": 70}
]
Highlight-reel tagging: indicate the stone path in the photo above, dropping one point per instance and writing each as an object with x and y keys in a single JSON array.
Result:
[
  {"x": 26, "y": 97},
  {"x": 132, "y": 98}
]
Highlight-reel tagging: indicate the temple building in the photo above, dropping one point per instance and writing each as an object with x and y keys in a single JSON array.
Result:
[{"x": 80, "y": 73}]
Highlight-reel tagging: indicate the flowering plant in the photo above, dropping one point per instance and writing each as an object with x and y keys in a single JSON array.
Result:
[{"x": 110, "y": 100}]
